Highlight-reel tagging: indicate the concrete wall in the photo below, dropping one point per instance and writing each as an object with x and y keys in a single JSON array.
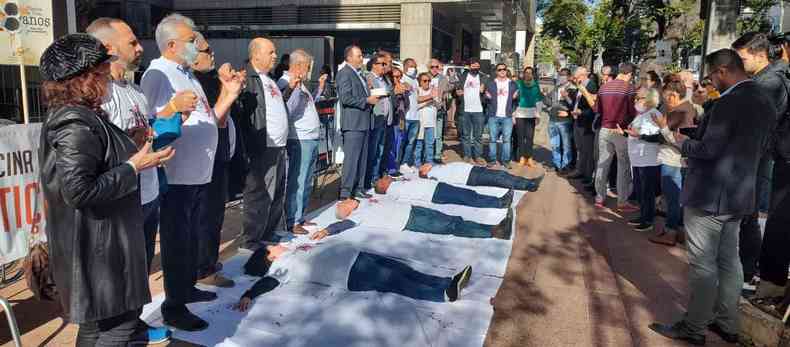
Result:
[{"x": 416, "y": 28}]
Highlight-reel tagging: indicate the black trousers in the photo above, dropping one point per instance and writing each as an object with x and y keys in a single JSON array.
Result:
[
  {"x": 355, "y": 160},
  {"x": 525, "y": 136},
  {"x": 111, "y": 332},
  {"x": 210, "y": 234},
  {"x": 264, "y": 197},
  {"x": 480, "y": 176},
  {"x": 775, "y": 255},
  {"x": 150, "y": 227},
  {"x": 183, "y": 210}
]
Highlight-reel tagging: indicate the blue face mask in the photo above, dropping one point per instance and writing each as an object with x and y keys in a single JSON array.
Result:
[{"x": 190, "y": 53}]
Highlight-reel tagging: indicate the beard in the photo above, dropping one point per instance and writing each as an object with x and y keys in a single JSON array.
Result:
[{"x": 134, "y": 64}]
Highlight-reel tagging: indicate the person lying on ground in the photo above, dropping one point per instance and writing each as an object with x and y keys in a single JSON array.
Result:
[
  {"x": 476, "y": 176},
  {"x": 401, "y": 216},
  {"x": 341, "y": 264},
  {"x": 439, "y": 193}
]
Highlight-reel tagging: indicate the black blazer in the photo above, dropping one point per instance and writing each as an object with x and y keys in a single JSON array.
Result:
[
  {"x": 249, "y": 114},
  {"x": 724, "y": 154},
  {"x": 357, "y": 114}
]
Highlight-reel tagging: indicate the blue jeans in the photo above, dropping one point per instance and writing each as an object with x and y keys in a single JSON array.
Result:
[
  {"x": 410, "y": 140},
  {"x": 671, "y": 185},
  {"x": 449, "y": 194},
  {"x": 482, "y": 177},
  {"x": 372, "y": 272},
  {"x": 427, "y": 142},
  {"x": 438, "y": 134},
  {"x": 394, "y": 143},
  {"x": 375, "y": 153},
  {"x": 301, "y": 167},
  {"x": 428, "y": 221},
  {"x": 472, "y": 124},
  {"x": 500, "y": 126},
  {"x": 647, "y": 178},
  {"x": 560, "y": 139},
  {"x": 150, "y": 227}
]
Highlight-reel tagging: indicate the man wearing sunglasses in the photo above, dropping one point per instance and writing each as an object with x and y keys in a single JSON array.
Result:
[
  {"x": 501, "y": 93},
  {"x": 382, "y": 116},
  {"x": 439, "y": 81}
]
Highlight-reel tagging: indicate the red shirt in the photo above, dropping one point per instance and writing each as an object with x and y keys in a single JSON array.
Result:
[{"x": 615, "y": 104}]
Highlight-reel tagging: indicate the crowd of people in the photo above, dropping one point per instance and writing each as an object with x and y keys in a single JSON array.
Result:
[{"x": 118, "y": 158}]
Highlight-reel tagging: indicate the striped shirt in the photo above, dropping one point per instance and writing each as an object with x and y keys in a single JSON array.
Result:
[{"x": 615, "y": 104}]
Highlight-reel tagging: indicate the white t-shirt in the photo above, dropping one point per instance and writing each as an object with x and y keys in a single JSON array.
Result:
[
  {"x": 276, "y": 114},
  {"x": 427, "y": 114},
  {"x": 195, "y": 149},
  {"x": 453, "y": 173},
  {"x": 325, "y": 263},
  {"x": 411, "y": 114},
  {"x": 643, "y": 153},
  {"x": 303, "y": 116},
  {"x": 502, "y": 92},
  {"x": 472, "y": 101},
  {"x": 418, "y": 190},
  {"x": 372, "y": 214},
  {"x": 127, "y": 107}
]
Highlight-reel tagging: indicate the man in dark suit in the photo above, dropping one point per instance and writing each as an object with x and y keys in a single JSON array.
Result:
[
  {"x": 355, "y": 123},
  {"x": 583, "y": 133},
  {"x": 719, "y": 191}
]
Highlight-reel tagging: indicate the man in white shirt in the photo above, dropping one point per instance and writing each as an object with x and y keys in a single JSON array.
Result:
[
  {"x": 304, "y": 130},
  {"x": 346, "y": 266},
  {"x": 501, "y": 93},
  {"x": 471, "y": 102},
  {"x": 171, "y": 88},
  {"x": 126, "y": 106},
  {"x": 431, "y": 190},
  {"x": 263, "y": 121},
  {"x": 476, "y": 176},
  {"x": 412, "y": 127}
]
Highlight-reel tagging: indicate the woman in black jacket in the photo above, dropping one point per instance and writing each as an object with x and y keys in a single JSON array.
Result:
[{"x": 89, "y": 179}]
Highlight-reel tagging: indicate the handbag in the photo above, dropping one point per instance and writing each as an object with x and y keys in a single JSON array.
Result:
[{"x": 39, "y": 279}]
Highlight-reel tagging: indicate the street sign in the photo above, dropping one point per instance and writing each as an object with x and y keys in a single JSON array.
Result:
[
  {"x": 663, "y": 52},
  {"x": 25, "y": 31}
]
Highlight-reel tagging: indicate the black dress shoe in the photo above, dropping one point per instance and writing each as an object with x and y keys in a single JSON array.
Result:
[
  {"x": 728, "y": 337},
  {"x": 201, "y": 296},
  {"x": 182, "y": 319},
  {"x": 362, "y": 195},
  {"x": 678, "y": 331}
]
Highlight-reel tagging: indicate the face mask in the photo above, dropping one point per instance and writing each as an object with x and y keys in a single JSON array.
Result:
[
  {"x": 562, "y": 80},
  {"x": 190, "y": 53},
  {"x": 640, "y": 108},
  {"x": 474, "y": 72},
  {"x": 412, "y": 71}
]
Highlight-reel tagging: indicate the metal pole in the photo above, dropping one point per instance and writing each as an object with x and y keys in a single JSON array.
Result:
[
  {"x": 23, "y": 85},
  {"x": 71, "y": 16},
  {"x": 9, "y": 315}
]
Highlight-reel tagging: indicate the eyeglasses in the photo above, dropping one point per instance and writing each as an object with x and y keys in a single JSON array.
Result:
[
  {"x": 425, "y": 80},
  {"x": 501, "y": 69},
  {"x": 434, "y": 66},
  {"x": 382, "y": 64}
]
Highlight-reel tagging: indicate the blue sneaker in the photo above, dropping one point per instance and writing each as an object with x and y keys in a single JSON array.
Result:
[{"x": 157, "y": 335}]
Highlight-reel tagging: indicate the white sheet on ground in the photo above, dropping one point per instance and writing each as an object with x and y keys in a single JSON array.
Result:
[{"x": 308, "y": 314}]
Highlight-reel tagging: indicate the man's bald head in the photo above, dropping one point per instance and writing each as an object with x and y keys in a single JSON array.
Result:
[{"x": 263, "y": 54}]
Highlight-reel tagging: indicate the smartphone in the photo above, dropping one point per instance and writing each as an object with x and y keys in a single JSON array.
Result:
[{"x": 688, "y": 131}]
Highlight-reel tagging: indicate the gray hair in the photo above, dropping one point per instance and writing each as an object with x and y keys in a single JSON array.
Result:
[
  {"x": 101, "y": 28},
  {"x": 299, "y": 56},
  {"x": 166, "y": 29},
  {"x": 581, "y": 69}
]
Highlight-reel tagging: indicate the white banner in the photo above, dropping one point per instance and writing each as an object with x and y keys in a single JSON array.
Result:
[{"x": 21, "y": 201}]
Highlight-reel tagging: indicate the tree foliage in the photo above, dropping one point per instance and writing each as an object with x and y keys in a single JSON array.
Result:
[{"x": 757, "y": 20}]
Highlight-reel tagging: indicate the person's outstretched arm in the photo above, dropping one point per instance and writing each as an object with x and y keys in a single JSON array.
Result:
[
  {"x": 263, "y": 286},
  {"x": 334, "y": 229}
]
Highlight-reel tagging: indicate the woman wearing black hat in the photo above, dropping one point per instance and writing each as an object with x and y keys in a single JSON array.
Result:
[{"x": 89, "y": 177}]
